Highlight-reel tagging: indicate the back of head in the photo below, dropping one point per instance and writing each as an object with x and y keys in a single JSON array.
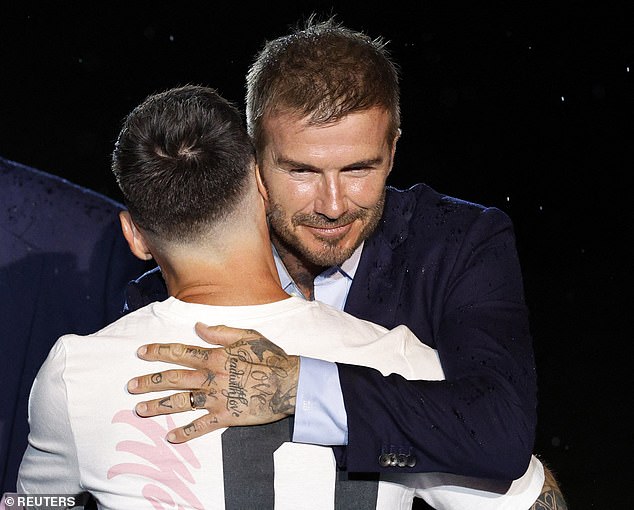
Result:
[
  {"x": 323, "y": 72},
  {"x": 183, "y": 160}
]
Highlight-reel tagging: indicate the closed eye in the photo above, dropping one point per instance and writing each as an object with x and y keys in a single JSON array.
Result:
[
  {"x": 301, "y": 171},
  {"x": 358, "y": 170}
]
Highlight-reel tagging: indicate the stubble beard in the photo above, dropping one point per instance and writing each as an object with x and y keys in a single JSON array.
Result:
[{"x": 330, "y": 253}]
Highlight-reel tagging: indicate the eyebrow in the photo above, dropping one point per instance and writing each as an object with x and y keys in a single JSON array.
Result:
[{"x": 283, "y": 161}]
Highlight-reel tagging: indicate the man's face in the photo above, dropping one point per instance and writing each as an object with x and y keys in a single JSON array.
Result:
[{"x": 325, "y": 185}]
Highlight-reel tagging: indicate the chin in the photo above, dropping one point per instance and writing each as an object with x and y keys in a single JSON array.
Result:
[{"x": 329, "y": 256}]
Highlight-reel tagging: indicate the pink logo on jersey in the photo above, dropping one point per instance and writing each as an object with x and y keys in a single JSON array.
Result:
[{"x": 167, "y": 465}]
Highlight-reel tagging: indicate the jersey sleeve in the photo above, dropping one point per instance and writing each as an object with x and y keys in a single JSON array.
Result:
[{"x": 50, "y": 463}]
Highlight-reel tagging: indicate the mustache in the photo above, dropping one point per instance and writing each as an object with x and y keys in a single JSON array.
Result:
[{"x": 318, "y": 221}]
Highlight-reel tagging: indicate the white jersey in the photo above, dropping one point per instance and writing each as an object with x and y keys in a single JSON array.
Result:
[{"x": 85, "y": 436}]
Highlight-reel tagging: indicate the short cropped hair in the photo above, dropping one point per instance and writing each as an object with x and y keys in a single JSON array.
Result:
[
  {"x": 323, "y": 71},
  {"x": 182, "y": 160}
]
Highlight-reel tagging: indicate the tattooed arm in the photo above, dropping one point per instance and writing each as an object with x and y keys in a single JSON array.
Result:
[{"x": 249, "y": 381}]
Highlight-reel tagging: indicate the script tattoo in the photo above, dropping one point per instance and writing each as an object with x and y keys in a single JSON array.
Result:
[
  {"x": 257, "y": 369},
  {"x": 198, "y": 353},
  {"x": 236, "y": 393}
]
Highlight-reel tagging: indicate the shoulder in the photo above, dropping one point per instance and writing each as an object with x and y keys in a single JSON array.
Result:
[
  {"x": 422, "y": 200},
  {"x": 140, "y": 323},
  {"x": 341, "y": 323},
  {"x": 423, "y": 211},
  {"x": 27, "y": 189},
  {"x": 45, "y": 214}
]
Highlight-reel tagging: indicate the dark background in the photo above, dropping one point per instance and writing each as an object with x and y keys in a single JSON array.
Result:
[{"x": 525, "y": 107}]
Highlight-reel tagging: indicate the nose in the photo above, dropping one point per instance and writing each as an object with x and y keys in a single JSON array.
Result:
[{"x": 331, "y": 200}]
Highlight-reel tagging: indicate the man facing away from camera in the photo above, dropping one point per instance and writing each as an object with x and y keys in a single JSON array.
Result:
[{"x": 323, "y": 112}]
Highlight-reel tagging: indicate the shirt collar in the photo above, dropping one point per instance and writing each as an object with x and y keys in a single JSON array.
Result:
[{"x": 347, "y": 269}]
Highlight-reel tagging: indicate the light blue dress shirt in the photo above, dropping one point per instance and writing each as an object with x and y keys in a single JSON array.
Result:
[{"x": 320, "y": 414}]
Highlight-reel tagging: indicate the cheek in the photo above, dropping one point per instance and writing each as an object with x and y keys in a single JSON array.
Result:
[
  {"x": 365, "y": 194},
  {"x": 292, "y": 196}
]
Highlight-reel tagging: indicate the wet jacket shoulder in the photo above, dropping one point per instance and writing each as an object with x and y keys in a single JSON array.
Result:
[{"x": 449, "y": 270}]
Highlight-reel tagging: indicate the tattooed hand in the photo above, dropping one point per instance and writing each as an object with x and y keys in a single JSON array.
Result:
[{"x": 248, "y": 380}]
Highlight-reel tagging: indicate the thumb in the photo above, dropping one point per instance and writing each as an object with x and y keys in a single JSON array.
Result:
[{"x": 223, "y": 335}]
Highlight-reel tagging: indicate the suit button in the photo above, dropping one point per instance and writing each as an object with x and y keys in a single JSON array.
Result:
[
  {"x": 384, "y": 460},
  {"x": 401, "y": 459},
  {"x": 411, "y": 460}
]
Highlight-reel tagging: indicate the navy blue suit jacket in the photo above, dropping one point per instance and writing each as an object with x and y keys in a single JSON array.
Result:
[
  {"x": 449, "y": 270},
  {"x": 64, "y": 265}
]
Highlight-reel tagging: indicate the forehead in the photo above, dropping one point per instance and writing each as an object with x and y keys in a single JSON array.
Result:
[{"x": 287, "y": 134}]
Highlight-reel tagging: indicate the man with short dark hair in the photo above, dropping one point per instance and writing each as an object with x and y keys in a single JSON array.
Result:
[
  {"x": 322, "y": 108},
  {"x": 63, "y": 267}
]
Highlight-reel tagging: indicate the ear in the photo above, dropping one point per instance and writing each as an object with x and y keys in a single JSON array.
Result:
[
  {"x": 136, "y": 241},
  {"x": 260, "y": 182}
]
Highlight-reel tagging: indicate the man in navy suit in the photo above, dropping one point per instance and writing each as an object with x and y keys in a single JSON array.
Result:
[
  {"x": 63, "y": 268},
  {"x": 323, "y": 111}
]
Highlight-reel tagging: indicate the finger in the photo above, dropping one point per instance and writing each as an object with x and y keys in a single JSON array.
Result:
[
  {"x": 186, "y": 355},
  {"x": 176, "y": 403},
  {"x": 224, "y": 335},
  {"x": 197, "y": 428},
  {"x": 173, "y": 380}
]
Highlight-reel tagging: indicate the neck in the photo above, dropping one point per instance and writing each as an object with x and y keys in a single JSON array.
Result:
[
  {"x": 247, "y": 277},
  {"x": 299, "y": 269}
]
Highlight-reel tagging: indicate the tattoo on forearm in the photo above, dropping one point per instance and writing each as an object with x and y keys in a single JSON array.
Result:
[{"x": 552, "y": 499}]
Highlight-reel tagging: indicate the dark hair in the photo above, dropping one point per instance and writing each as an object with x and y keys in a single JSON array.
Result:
[
  {"x": 181, "y": 160},
  {"x": 324, "y": 71}
]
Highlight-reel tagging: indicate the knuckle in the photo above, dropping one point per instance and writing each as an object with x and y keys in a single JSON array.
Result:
[
  {"x": 181, "y": 400},
  {"x": 173, "y": 376},
  {"x": 178, "y": 350},
  {"x": 201, "y": 426}
]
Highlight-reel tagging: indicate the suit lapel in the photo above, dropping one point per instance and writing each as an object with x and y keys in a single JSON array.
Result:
[{"x": 378, "y": 281}]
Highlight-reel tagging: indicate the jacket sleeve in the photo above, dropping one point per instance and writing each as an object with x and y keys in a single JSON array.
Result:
[{"x": 481, "y": 420}]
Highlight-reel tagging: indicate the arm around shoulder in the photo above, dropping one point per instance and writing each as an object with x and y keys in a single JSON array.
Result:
[{"x": 465, "y": 295}]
